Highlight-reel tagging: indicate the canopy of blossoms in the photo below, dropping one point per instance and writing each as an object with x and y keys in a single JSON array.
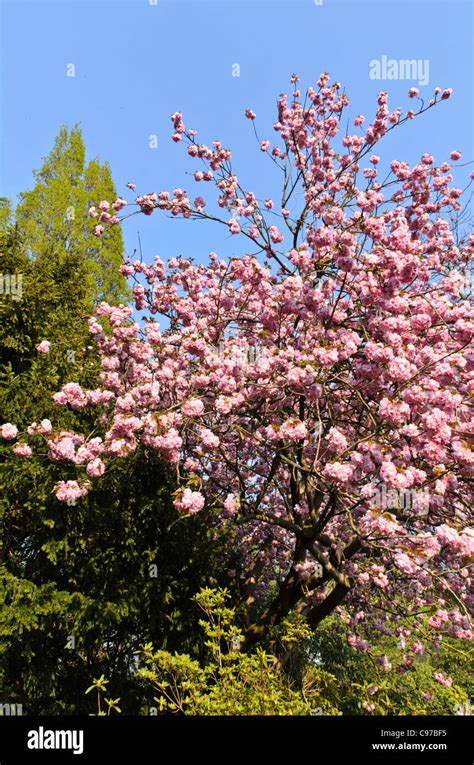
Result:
[{"x": 315, "y": 396}]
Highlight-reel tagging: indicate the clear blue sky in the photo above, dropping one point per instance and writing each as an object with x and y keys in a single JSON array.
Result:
[{"x": 136, "y": 63}]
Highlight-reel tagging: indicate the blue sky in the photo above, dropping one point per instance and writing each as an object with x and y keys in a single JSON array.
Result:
[{"x": 137, "y": 62}]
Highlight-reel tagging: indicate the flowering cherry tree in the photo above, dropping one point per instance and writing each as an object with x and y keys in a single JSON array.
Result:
[{"x": 292, "y": 387}]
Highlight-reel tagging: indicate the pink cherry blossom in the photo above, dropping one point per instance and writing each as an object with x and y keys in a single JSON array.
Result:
[
  {"x": 190, "y": 501},
  {"x": 22, "y": 450},
  {"x": 443, "y": 679},
  {"x": 193, "y": 408},
  {"x": 208, "y": 439},
  {"x": 336, "y": 440},
  {"x": 8, "y": 431},
  {"x": 384, "y": 663},
  {"x": 95, "y": 468},
  {"x": 70, "y": 491}
]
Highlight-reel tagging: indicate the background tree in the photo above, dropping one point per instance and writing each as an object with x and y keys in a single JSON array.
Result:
[{"x": 53, "y": 223}]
